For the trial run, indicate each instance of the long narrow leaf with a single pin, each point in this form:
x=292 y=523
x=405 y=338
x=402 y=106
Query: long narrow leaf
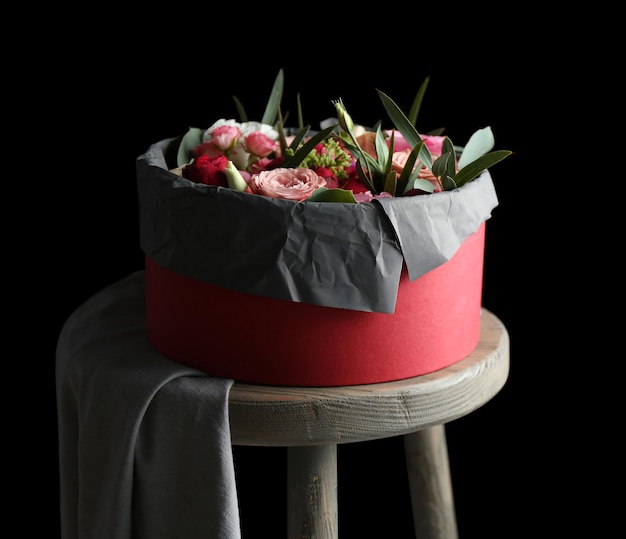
x=403 y=124
x=299 y=137
x=364 y=174
x=368 y=161
x=273 y=103
x=294 y=160
x=300 y=117
x=391 y=183
x=417 y=102
x=469 y=172
x=410 y=171
x=241 y=111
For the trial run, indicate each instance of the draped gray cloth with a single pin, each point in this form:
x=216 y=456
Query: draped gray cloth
x=144 y=443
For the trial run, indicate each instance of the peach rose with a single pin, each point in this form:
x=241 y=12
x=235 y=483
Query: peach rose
x=367 y=141
x=399 y=162
x=290 y=183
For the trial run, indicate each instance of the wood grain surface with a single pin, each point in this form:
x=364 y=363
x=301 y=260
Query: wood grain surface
x=291 y=416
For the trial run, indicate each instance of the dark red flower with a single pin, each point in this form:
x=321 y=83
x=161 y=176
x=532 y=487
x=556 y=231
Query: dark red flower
x=207 y=170
x=355 y=185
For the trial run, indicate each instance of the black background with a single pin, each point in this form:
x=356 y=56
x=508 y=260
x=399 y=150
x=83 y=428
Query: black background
x=106 y=94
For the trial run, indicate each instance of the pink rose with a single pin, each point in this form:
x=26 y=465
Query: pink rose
x=398 y=160
x=226 y=137
x=207 y=148
x=434 y=143
x=259 y=144
x=399 y=142
x=289 y=183
x=265 y=163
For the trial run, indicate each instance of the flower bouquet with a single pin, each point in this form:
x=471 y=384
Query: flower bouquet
x=287 y=256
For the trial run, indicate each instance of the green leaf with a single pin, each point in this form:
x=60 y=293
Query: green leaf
x=409 y=172
x=445 y=165
x=403 y=124
x=448 y=148
x=391 y=183
x=323 y=194
x=241 y=111
x=273 y=103
x=190 y=140
x=436 y=132
x=423 y=185
x=473 y=169
x=364 y=174
x=300 y=117
x=382 y=150
x=292 y=161
x=479 y=144
x=384 y=154
x=448 y=183
x=417 y=102
x=299 y=137
x=365 y=159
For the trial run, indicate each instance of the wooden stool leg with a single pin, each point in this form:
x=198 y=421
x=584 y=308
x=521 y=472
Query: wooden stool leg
x=430 y=484
x=312 y=492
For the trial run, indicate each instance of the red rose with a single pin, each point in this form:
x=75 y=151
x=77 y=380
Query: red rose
x=207 y=170
x=355 y=185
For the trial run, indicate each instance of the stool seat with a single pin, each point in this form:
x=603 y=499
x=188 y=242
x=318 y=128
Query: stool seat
x=311 y=421
x=290 y=416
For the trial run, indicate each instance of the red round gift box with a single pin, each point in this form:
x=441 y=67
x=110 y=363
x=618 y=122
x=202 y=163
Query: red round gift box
x=262 y=340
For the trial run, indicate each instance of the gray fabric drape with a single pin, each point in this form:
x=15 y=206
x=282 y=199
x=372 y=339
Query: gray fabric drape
x=144 y=443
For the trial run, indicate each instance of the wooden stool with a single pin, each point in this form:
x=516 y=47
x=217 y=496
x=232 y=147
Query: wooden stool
x=312 y=421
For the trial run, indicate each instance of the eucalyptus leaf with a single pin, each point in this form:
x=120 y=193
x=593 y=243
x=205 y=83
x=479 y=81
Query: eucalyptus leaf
x=479 y=144
x=423 y=185
x=323 y=194
x=190 y=140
